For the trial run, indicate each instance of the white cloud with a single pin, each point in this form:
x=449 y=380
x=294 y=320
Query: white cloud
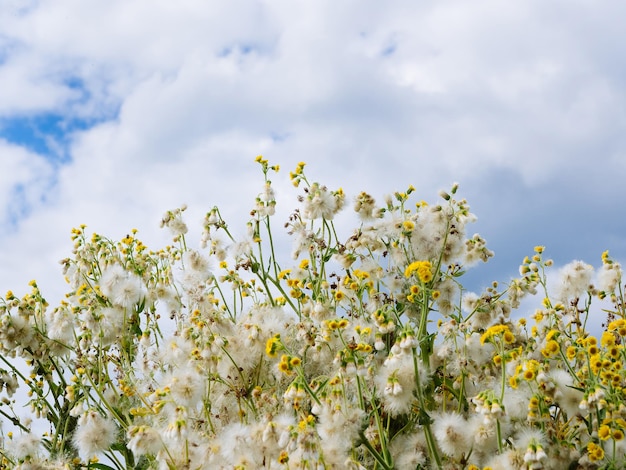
x=373 y=96
x=24 y=180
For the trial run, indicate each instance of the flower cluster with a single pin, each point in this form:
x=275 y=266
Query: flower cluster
x=360 y=352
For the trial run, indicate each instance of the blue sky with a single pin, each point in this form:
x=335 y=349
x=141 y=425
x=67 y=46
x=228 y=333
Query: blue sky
x=115 y=111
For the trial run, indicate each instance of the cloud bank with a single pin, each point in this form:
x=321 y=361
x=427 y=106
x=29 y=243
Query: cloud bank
x=138 y=106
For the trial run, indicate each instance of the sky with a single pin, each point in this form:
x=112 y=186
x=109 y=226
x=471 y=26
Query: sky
x=114 y=111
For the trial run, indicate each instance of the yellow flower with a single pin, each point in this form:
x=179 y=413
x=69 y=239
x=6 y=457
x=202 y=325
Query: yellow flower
x=284 y=366
x=607 y=339
x=493 y=331
x=595 y=452
x=361 y=274
x=552 y=348
x=272 y=346
x=509 y=338
x=408 y=226
x=422 y=268
x=295 y=361
x=283 y=458
x=530 y=369
x=604 y=432
x=308 y=421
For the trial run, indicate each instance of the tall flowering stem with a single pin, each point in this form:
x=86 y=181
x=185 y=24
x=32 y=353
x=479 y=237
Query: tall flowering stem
x=349 y=349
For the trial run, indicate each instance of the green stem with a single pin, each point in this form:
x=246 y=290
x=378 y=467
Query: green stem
x=430 y=440
x=379 y=458
x=499 y=436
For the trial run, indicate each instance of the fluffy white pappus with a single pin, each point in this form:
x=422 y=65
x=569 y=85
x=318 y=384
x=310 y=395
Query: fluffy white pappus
x=574 y=280
x=409 y=451
x=175 y=222
x=60 y=325
x=529 y=437
x=190 y=452
x=320 y=203
x=197 y=268
x=470 y=301
x=512 y=459
x=271 y=320
x=338 y=429
x=476 y=351
x=16 y=333
x=277 y=432
x=433 y=227
x=247 y=344
x=483 y=435
x=9 y=383
x=167 y=295
x=482 y=318
x=516 y=402
x=448 y=297
x=476 y=250
x=144 y=440
x=129 y=292
x=122 y=288
x=302 y=239
x=609 y=277
x=395 y=383
x=176 y=352
x=566 y=396
x=242 y=443
x=110 y=326
x=365 y=207
x=242 y=249
x=112 y=275
x=187 y=385
x=450 y=430
x=24 y=446
x=194 y=260
x=94 y=434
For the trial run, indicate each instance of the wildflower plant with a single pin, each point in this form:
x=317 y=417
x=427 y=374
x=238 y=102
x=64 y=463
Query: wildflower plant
x=361 y=351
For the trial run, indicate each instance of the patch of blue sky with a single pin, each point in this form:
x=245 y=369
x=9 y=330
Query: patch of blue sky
x=47 y=134
x=388 y=50
x=279 y=136
x=22 y=200
x=243 y=49
x=17 y=209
